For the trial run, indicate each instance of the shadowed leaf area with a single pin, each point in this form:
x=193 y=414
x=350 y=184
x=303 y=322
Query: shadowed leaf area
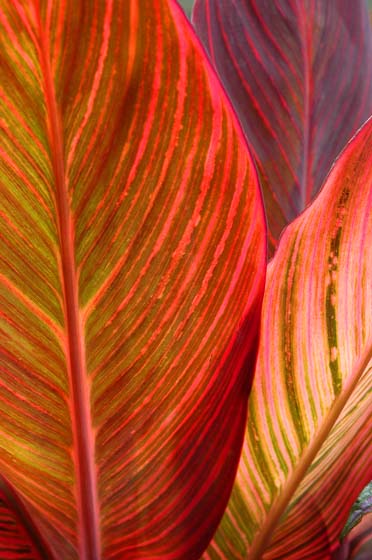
x=299 y=76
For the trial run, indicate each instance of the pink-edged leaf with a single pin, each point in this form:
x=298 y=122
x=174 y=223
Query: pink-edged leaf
x=19 y=538
x=299 y=74
x=131 y=276
x=308 y=444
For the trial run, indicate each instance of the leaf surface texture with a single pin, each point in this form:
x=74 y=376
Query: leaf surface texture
x=308 y=442
x=131 y=278
x=299 y=75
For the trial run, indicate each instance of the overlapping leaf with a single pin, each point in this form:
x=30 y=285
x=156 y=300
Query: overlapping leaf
x=357 y=545
x=308 y=446
x=361 y=507
x=299 y=74
x=356 y=536
x=131 y=268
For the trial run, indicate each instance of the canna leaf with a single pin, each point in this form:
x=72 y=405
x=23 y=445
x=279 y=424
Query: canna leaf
x=308 y=441
x=300 y=78
x=132 y=269
x=19 y=539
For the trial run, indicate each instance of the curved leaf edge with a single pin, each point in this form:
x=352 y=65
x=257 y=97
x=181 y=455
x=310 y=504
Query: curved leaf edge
x=237 y=123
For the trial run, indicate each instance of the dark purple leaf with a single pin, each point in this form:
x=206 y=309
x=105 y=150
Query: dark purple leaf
x=299 y=75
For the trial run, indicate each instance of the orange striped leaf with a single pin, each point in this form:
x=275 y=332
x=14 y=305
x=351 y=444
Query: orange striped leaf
x=308 y=444
x=300 y=76
x=131 y=278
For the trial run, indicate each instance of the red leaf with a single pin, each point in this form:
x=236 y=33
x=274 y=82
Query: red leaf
x=19 y=538
x=299 y=75
x=308 y=444
x=131 y=276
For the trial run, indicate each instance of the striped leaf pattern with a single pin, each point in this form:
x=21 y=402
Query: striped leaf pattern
x=299 y=74
x=131 y=277
x=308 y=444
x=19 y=539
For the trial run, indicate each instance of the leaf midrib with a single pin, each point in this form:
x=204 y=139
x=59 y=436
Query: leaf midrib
x=305 y=180
x=83 y=451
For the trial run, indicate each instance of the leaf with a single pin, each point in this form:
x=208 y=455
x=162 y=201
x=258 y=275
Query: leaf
x=19 y=539
x=308 y=441
x=132 y=268
x=299 y=76
x=357 y=545
x=356 y=536
x=362 y=506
